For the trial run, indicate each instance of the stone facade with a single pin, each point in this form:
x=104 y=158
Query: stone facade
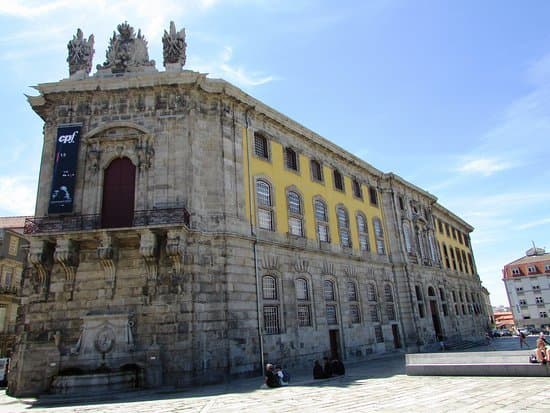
x=195 y=289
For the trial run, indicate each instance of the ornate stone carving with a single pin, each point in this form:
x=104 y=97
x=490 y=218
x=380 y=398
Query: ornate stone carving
x=81 y=54
x=127 y=52
x=145 y=152
x=40 y=258
x=301 y=265
x=271 y=262
x=328 y=268
x=94 y=154
x=173 y=48
x=106 y=255
x=350 y=271
x=149 y=251
x=66 y=255
x=175 y=250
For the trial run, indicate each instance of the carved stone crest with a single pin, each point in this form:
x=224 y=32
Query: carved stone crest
x=173 y=48
x=81 y=53
x=127 y=52
x=105 y=340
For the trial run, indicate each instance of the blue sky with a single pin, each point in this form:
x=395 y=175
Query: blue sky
x=453 y=96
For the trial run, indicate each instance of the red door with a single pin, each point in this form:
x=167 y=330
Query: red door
x=118 y=194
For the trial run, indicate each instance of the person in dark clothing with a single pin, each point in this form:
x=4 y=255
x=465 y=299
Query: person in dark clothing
x=327 y=368
x=318 y=370
x=338 y=368
x=271 y=379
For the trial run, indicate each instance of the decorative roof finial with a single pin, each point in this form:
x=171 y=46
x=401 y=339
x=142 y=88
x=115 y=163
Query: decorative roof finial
x=127 y=52
x=81 y=54
x=173 y=48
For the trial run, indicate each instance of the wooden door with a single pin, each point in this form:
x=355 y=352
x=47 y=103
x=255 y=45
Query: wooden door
x=118 y=194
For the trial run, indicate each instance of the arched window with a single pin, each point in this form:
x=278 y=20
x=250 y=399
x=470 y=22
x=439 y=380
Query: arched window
x=295 y=214
x=379 y=234
x=352 y=291
x=265 y=205
x=303 y=308
x=363 y=231
x=329 y=291
x=269 y=287
x=343 y=226
x=321 y=220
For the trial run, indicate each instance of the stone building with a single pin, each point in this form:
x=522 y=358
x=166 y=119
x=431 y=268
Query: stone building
x=186 y=232
x=13 y=257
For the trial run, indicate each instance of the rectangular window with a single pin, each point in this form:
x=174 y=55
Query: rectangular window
x=331 y=315
x=536 y=287
x=543 y=314
x=316 y=171
x=373 y=311
x=7 y=277
x=291 y=159
x=531 y=269
x=304 y=316
x=13 y=246
x=445 y=309
x=260 y=146
x=295 y=226
x=440 y=226
x=357 y=189
x=338 y=180
x=271 y=319
x=421 y=311
x=401 y=203
x=522 y=302
x=265 y=220
x=322 y=231
x=373 y=196
x=539 y=300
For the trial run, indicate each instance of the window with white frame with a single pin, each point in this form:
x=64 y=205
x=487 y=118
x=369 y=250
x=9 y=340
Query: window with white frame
x=321 y=220
x=271 y=319
x=265 y=205
x=304 y=315
x=379 y=234
x=295 y=214
x=532 y=269
x=302 y=289
x=271 y=305
x=343 y=226
x=522 y=301
x=269 y=287
x=363 y=232
x=516 y=271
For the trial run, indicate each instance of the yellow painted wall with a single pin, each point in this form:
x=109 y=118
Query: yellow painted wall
x=450 y=242
x=281 y=178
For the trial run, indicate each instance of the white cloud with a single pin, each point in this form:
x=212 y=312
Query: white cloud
x=534 y=224
x=484 y=166
x=17 y=195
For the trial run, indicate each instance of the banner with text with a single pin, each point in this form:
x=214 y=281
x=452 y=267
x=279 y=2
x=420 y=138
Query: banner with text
x=64 y=169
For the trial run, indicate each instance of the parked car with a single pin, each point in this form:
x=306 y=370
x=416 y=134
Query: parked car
x=505 y=333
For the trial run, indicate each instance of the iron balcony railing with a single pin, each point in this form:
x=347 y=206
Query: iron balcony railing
x=71 y=223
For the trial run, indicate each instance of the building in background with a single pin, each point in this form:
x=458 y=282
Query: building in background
x=505 y=321
x=186 y=232
x=13 y=258
x=527 y=282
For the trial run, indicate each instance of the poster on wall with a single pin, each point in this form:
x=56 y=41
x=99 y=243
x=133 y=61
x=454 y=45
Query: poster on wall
x=64 y=169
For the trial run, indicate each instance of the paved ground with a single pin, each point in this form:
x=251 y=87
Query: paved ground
x=371 y=386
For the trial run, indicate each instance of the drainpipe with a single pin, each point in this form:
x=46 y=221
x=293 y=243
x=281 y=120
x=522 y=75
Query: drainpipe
x=255 y=244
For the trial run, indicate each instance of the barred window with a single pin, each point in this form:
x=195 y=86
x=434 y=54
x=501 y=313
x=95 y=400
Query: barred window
x=373 y=311
x=363 y=232
x=291 y=159
x=331 y=314
x=373 y=196
x=354 y=314
x=352 y=291
x=265 y=206
x=338 y=180
x=321 y=218
x=371 y=293
x=390 y=312
x=302 y=291
x=379 y=233
x=388 y=294
x=269 y=287
x=378 y=334
x=329 y=291
x=316 y=171
x=356 y=186
x=271 y=319
x=261 y=146
x=343 y=226
x=304 y=315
